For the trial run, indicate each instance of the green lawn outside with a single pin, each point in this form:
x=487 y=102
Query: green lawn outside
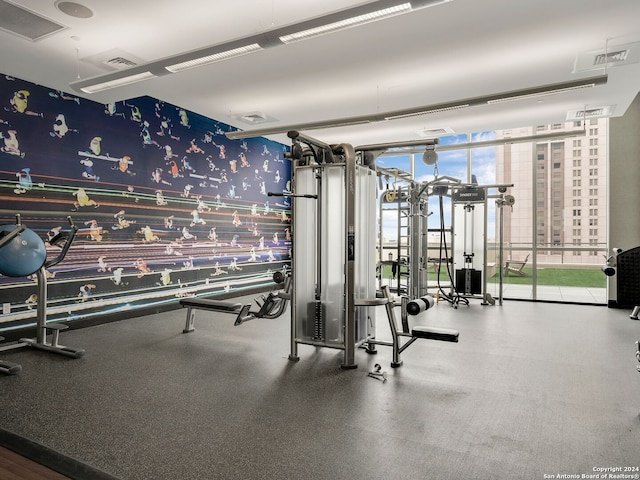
x=566 y=277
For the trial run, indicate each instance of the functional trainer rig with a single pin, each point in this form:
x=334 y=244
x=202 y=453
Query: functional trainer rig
x=334 y=293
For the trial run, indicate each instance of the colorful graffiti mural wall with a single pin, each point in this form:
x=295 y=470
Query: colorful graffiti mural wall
x=166 y=205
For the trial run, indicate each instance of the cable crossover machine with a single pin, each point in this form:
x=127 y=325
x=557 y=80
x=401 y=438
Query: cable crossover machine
x=334 y=291
x=458 y=251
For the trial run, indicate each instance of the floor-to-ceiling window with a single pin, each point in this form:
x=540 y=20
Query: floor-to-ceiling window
x=558 y=224
x=554 y=234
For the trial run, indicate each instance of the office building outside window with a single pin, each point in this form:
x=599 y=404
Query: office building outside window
x=560 y=187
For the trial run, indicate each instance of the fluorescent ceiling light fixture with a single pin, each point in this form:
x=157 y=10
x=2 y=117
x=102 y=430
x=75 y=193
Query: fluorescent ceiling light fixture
x=118 y=82
x=427 y=112
x=348 y=123
x=216 y=57
x=539 y=94
x=484 y=100
x=349 y=17
x=347 y=23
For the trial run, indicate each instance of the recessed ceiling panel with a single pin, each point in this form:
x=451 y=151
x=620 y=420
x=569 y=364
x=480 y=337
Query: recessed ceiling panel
x=24 y=23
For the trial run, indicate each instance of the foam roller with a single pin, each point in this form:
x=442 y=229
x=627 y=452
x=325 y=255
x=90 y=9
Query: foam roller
x=419 y=305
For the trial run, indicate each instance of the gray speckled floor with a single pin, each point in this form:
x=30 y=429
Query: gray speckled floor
x=531 y=389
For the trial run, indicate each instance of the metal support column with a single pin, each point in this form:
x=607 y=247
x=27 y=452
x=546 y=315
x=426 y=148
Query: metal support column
x=350 y=217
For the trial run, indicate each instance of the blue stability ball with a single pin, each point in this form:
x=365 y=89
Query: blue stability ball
x=23 y=255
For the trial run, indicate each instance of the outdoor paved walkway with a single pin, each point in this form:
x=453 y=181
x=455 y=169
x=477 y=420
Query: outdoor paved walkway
x=554 y=293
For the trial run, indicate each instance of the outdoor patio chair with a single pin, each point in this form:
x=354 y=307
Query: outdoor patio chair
x=516 y=267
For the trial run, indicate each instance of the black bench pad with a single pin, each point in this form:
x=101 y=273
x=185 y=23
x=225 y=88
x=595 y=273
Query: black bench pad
x=443 y=334
x=209 y=304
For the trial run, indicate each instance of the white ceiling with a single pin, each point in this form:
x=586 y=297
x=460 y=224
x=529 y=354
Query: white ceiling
x=461 y=49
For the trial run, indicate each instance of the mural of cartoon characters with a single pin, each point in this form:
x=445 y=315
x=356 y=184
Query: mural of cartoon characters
x=60 y=127
x=83 y=200
x=187 y=235
x=236 y=222
x=117 y=277
x=193 y=148
x=19 y=104
x=197 y=220
x=95 y=146
x=123 y=165
x=11 y=144
x=88 y=170
x=111 y=109
x=190 y=206
x=149 y=235
x=121 y=222
x=146 y=136
x=160 y=201
x=156 y=175
x=64 y=96
x=102 y=264
x=86 y=292
x=218 y=270
x=142 y=267
x=136 y=115
x=95 y=230
x=184 y=118
x=24 y=181
x=213 y=236
x=165 y=277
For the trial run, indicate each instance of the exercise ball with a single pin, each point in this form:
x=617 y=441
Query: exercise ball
x=23 y=255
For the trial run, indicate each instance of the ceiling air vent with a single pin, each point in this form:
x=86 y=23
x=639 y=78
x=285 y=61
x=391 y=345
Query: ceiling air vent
x=435 y=132
x=613 y=56
x=25 y=23
x=114 y=59
x=120 y=62
x=596 y=112
x=254 y=118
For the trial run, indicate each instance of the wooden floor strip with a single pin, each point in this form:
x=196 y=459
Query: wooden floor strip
x=56 y=465
x=16 y=467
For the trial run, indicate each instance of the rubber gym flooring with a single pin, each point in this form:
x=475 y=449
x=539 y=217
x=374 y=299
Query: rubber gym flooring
x=531 y=389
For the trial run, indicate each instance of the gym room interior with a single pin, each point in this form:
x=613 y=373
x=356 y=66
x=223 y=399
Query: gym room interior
x=323 y=239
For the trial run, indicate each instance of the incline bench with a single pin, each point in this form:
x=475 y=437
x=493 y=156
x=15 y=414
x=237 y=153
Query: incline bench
x=194 y=304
